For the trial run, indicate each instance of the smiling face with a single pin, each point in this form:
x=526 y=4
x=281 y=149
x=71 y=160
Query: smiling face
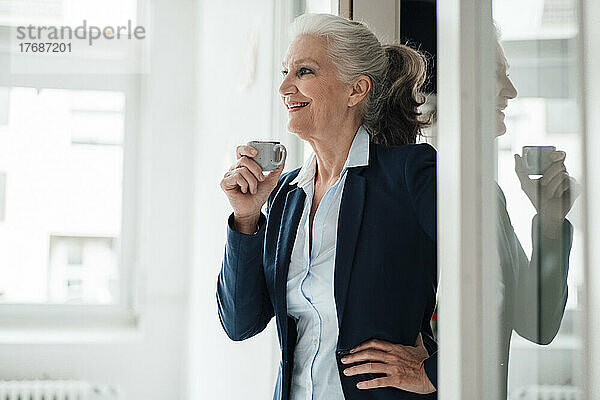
x=316 y=100
x=505 y=90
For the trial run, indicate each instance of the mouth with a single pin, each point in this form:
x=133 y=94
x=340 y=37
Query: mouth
x=296 y=106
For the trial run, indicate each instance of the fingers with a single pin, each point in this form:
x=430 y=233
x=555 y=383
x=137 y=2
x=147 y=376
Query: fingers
x=373 y=344
x=250 y=178
x=563 y=188
x=555 y=169
x=368 y=355
x=519 y=167
x=241 y=177
x=246 y=172
x=558 y=155
x=521 y=172
x=244 y=154
x=375 y=383
x=252 y=166
x=575 y=188
x=276 y=172
x=232 y=180
x=247 y=151
x=558 y=184
x=366 y=368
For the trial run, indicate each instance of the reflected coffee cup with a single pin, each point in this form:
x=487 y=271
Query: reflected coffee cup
x=536 y=159
x=270 y=154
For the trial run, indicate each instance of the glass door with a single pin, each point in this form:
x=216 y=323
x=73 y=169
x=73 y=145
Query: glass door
x=540 y=174
x=516 y=187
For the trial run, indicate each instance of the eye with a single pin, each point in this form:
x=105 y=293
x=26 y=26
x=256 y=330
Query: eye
x=304 y=71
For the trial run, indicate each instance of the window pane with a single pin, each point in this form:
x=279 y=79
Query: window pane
x=542 y=214
x=61 y=158
x=83 y=269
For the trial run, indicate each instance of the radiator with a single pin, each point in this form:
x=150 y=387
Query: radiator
x=56 y=390
x=546 y=392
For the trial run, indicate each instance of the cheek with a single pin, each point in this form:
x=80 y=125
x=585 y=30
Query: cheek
x=321 y=90
x=329 y=100
x=315 y=89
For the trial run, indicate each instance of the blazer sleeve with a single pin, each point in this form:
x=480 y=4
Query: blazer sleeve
x=243 y=301
x=420 y=178
x=430 y=364
x=542 y=289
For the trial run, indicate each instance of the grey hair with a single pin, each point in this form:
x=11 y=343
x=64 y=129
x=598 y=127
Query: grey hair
x=397 y=72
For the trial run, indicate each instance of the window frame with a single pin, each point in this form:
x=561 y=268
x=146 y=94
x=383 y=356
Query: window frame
x=588 y=53
x=467 y=253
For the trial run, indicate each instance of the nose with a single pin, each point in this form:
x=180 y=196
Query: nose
x=287 y=86
x=511 y=91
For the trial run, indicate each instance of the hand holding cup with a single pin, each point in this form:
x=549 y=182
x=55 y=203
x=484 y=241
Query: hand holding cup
x=554 y=193
x=247 y=188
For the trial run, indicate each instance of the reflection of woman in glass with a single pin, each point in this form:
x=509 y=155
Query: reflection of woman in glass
x=345 y=254
x=534 y=291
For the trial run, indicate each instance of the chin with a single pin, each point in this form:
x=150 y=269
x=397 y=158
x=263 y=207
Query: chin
x=501 y=130
x=297 y=129
x=500 y=127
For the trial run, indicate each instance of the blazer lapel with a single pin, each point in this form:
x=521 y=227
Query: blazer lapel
x=349 y=220
x=292 y=211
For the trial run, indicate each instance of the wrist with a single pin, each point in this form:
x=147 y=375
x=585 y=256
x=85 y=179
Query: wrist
x=551 y=227
x=246 y=223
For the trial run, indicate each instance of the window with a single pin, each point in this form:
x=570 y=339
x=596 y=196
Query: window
x=66 y=168
x=68 y=144
x=83 y=270
x=541 y=45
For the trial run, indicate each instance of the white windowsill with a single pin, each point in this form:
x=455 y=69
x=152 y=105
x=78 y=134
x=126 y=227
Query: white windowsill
x=51 y=324
x=41 y=335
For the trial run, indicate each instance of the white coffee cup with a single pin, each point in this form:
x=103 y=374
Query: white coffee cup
x=270 y=155
x=536 y=159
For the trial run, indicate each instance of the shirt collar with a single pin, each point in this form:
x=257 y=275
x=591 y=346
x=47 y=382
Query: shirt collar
x=358 y=156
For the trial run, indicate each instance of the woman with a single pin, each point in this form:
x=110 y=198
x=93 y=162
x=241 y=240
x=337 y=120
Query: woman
x=345 y=254
x=533 y=291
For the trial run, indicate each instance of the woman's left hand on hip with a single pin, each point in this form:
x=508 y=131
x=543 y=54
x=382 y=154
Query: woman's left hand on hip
x=403 y=365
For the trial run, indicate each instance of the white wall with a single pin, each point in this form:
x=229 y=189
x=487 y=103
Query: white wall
x=152 y=367
x=230 y=113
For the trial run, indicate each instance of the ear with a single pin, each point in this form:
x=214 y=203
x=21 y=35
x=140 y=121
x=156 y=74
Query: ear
x=360 y=89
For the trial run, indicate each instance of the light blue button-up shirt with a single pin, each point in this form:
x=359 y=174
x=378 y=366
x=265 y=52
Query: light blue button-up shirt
x=310 y=297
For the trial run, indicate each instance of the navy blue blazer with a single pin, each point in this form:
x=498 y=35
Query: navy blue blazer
x=385 y=277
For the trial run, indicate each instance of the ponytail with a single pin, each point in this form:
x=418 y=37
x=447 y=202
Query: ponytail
x=392 y=115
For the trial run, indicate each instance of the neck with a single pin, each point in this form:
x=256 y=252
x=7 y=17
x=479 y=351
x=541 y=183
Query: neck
x=331 y=149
